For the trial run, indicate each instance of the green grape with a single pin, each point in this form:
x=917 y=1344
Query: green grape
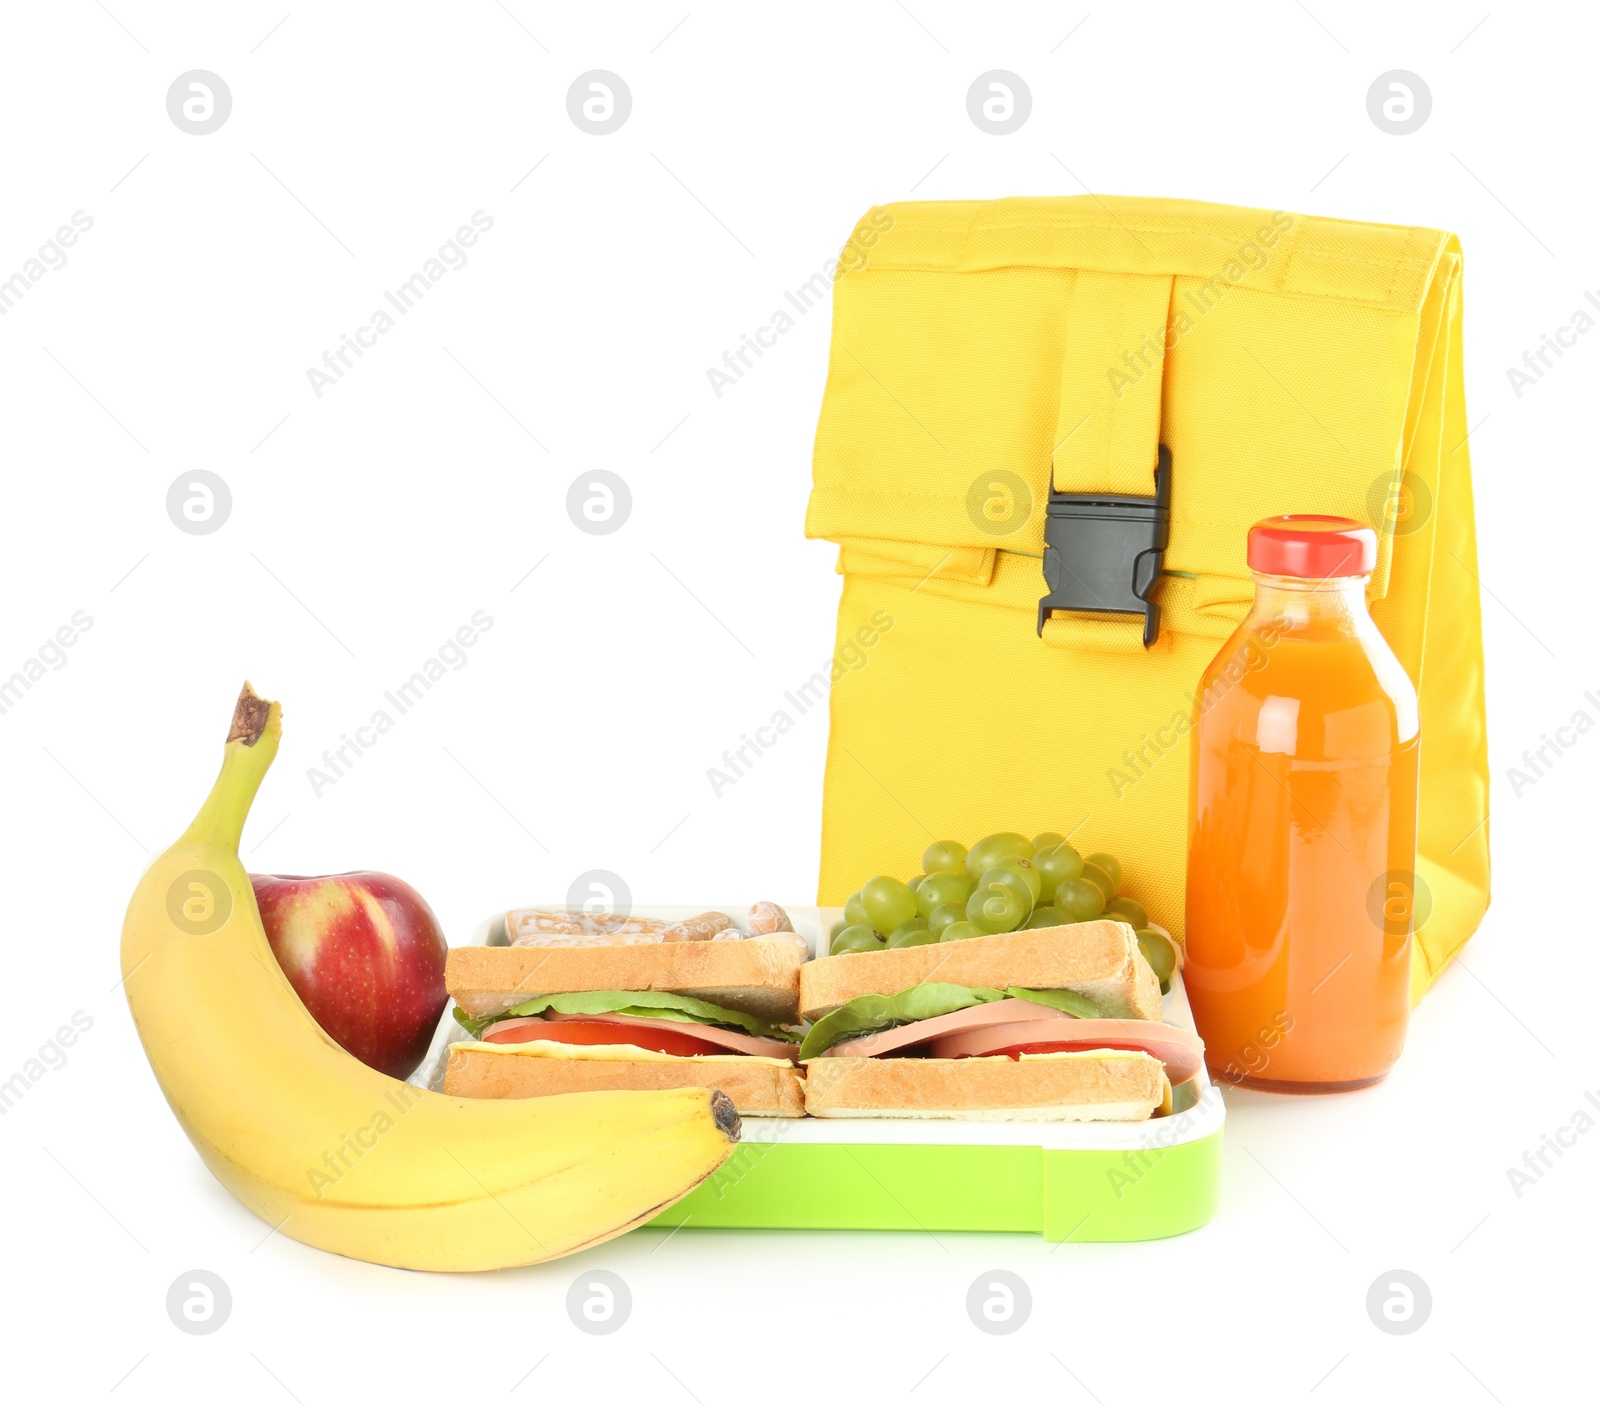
x=1048 y=840
x=1080 y=900
x=942 y=888
x=857 y=937
x=915 y=882
x=959 y=932
x=1130 y=911
x=945 y=914
x=1057 y=865
x=1047 y=916
x=1006 y=875
x=888 y=902
x=912 y=934
x=854 y=913
x=1030 y=875
x=991 y=849
x=1111 y=864
x=1158 y=952
x=999 y=907
x=944 y=857
x=1100 y=879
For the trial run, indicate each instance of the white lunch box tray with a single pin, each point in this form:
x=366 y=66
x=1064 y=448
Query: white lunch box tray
x=1077 y=1181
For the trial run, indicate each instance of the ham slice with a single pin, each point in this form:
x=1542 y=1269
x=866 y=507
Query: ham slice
x=1181 y=1052
x=1008 y=1011
x=998 y=1025
x=734 y=1040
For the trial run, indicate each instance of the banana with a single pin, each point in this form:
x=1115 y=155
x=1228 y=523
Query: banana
x=333 y=1153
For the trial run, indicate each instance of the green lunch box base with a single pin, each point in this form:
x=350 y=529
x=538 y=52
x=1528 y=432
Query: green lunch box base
x=1063 y=1194
x=1064 y=1181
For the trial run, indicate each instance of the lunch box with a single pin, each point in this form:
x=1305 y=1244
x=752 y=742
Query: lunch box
x=1064 y=1181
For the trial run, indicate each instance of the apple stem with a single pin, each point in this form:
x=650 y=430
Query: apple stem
x=252 y=744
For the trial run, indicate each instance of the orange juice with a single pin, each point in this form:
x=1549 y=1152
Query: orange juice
x=1303 y=817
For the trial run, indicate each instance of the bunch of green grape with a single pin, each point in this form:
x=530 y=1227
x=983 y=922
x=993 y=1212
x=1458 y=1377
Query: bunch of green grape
x=1004 y=883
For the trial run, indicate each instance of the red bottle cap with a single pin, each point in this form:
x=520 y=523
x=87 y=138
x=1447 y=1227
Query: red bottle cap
x=1312 y=546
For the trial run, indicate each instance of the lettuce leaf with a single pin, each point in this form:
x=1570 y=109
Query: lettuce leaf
x=868 y=1015
x=645 y=1005
x=1068 y=1002
x=474 y=1025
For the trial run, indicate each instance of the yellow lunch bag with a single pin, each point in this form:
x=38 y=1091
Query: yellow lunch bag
x=1140 y=374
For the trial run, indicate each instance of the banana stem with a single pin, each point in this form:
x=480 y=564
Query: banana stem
x=251 y=746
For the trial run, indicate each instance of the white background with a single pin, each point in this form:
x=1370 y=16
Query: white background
x=369 y=524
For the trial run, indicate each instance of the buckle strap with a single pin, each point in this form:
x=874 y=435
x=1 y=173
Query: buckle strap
x=1104 y=531
x=1103 y=551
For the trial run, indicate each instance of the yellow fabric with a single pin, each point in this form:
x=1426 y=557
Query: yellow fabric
x=1109 y=422
x=1289 y=363
x=1110 y=397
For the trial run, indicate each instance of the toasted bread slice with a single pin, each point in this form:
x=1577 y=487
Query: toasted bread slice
x=1098 y=1086
x=1100 y=960
x=760 y=978
x=759 y=1088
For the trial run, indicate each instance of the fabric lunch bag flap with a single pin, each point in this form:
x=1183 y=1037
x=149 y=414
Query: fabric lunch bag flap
x=1282 y=359
x=985 y=352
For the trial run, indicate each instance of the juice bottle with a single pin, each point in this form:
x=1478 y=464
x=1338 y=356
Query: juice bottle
x=1303 y=821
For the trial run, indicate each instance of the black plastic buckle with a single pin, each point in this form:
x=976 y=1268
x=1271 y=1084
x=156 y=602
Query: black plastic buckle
x=1103 y=551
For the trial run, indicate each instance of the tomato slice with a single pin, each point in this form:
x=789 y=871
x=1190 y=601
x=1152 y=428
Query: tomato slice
x=1062 y=1046
x=603 y=1032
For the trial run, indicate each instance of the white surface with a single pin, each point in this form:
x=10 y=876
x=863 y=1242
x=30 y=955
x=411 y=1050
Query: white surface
x=618 y=672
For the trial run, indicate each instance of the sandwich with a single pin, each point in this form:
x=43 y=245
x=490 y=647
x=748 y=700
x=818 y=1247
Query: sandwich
x=1057 y=1024
x=581 y=1001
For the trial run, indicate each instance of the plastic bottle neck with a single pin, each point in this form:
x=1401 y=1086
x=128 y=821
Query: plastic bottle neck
x=1336 y=606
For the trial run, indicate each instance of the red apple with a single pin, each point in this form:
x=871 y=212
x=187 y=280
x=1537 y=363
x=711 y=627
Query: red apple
x=365 y=954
